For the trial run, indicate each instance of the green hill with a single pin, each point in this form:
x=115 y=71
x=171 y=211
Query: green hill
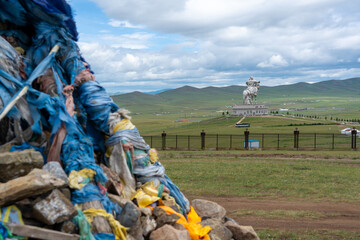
x=213 y=98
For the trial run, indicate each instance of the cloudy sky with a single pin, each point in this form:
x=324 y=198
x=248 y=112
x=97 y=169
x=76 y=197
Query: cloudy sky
x=147 y=45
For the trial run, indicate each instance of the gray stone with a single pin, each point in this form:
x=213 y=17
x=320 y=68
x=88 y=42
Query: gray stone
x=35 y=183
x=205 y=208
x=168 y=232
x=129 y=237
x=136 y=231
x=146 y=211
x=55 y=208
x=171 y=204
x=179 y=226
x=241 y=232
x=25 y=207
x=55 y=169
x=113 y=184
x=218 y=230
x=69 y=227
x=120 y=200
x=148 y=224
x=162 y=218
x=6 y=147
x=66 y=192
x=227 y=219
x=19 y=163
x=129 y=215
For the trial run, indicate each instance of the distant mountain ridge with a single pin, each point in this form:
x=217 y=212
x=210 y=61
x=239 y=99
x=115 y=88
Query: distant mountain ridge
x=208 y=97
x=158 y=91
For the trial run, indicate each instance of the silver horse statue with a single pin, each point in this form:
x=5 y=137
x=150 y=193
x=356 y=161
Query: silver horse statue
x=250 y=93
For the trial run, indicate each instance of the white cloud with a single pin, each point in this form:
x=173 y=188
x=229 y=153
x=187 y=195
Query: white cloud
x=222 y=41
x=137 y=40
x=274 y=61
x=125 y=24
x=352 y=42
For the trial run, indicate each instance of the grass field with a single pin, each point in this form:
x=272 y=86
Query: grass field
x=188 y=111
x=271 y=177
x=304 y=176
x=273 y=132
x=226 y=125
x=327 y=98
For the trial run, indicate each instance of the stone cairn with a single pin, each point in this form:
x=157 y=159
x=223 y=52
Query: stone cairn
x=42 y=196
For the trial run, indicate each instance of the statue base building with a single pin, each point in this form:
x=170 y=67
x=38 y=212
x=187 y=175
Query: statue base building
x=250 y=110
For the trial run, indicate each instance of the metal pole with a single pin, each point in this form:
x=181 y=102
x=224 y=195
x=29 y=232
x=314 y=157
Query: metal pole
x=230 y=141
x=353 y=138
x=314 y=140
x=202 y=134
x=296 y=138
x=333 y=141
x=176 y=142
x=188 y=142
x=163 y=135
x=217 y=141
x=246 y=133
x=278 y=142
x=151 y=141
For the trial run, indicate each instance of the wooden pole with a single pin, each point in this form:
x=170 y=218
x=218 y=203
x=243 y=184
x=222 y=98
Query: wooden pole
x=39 y=233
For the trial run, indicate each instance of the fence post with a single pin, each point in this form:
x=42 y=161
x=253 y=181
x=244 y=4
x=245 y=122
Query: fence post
x=217 y=142
x=296 y=138
x=230 y=141
x=278 y=142
x=314 y=140
x=151 y=141
x=163 y=136
x=176 y=142
x=262 y=141
x=353 y=138
x=188 y=142
x=246 y=133
x=333 y=141
x=202 y=134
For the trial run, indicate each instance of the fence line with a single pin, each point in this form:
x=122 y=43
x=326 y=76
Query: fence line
x=246 y=141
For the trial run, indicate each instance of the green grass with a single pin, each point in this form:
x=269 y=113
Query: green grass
x=338 y=155
x=266 y=177
x=188 y=111
x=270 y=234
x=286 y=175
x=270 y=127
x=155 y=125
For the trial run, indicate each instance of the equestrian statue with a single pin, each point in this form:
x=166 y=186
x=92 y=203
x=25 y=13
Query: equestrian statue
x=250 y=93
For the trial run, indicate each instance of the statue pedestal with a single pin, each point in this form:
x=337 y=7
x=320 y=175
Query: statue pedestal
x=250 y=110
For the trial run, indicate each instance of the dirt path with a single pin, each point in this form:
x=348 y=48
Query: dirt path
x=340 y=216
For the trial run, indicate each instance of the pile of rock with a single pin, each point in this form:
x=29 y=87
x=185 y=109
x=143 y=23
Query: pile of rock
x=42 y=195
